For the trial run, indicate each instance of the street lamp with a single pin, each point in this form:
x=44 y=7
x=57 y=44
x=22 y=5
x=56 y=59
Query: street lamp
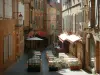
x=20 y=19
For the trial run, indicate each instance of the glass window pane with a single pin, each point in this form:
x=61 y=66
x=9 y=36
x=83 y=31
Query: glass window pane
x=8 y=8
x=1 y=8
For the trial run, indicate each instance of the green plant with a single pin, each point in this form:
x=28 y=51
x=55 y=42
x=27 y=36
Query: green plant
x=74 y=63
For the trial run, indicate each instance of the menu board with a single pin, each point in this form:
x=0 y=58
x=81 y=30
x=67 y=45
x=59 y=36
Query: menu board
x=1 y=8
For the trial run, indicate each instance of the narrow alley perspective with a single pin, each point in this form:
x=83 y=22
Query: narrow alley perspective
x=49 y=37
x=20 y=68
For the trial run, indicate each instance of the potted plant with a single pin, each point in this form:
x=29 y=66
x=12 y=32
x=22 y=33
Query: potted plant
x=74 y=65
x=34 y=65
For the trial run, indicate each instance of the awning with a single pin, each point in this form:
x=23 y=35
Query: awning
x=39 y=33
x=71 y=38
x=62 y=37
x=42 y=33
x=34 y=38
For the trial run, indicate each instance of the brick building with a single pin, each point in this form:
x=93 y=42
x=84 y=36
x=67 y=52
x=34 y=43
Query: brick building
x=80 y=18
x=12 y=44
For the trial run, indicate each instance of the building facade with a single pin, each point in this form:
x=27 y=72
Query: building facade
x=92 y=38
x=53 y=19
x=9 y=20
x=81 y=17
x=72 y=19
x=34 y=14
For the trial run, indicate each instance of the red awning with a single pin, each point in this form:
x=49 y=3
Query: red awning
x=42 y=33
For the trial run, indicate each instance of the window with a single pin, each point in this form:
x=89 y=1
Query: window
x=63 y=24
x=10 y=41
x=35 y=4
x=6 y=49
x=1 y=8
x=96 y=13
x=38 y=4
x=8 y=8
x=99 y=13
x=15 y=8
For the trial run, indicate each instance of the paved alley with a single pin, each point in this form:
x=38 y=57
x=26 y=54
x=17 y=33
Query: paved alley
x=20 y=68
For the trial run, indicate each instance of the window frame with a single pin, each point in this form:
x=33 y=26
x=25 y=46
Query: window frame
x=98 y=14
x=1 y=9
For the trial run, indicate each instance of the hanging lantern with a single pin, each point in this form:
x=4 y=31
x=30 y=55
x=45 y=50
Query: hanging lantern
x=20 y=19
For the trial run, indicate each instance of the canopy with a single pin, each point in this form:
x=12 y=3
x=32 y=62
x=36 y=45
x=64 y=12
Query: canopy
x=62 y=37
x=39 y=33
x=71 y=38
x=34 y=38
x=42 y=33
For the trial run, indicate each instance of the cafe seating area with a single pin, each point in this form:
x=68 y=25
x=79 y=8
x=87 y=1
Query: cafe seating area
x=54 y=62
x=72 y=62
x=34 y=63
x=62 y=61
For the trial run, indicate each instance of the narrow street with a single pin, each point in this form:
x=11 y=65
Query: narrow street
x=20 y=68
x=72 y=27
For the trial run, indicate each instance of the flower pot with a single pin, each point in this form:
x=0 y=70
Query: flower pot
x=74 y=67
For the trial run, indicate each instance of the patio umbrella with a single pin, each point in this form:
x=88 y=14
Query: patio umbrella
x=34 y=39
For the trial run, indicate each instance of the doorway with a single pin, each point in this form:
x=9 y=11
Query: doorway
x=92 y=52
